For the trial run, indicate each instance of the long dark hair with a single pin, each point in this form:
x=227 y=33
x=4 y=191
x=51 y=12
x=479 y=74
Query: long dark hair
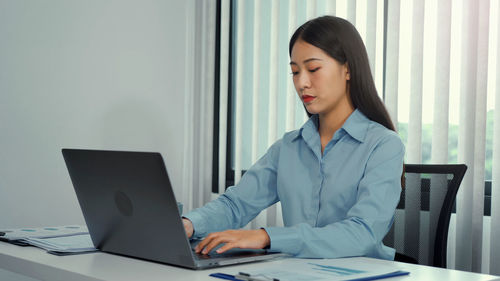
x=341 y=41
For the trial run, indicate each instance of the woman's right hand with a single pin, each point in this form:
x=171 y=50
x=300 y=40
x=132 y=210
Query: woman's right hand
x=188 y=226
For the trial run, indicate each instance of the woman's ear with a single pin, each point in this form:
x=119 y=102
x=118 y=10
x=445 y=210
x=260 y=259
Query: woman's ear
x=347 y=73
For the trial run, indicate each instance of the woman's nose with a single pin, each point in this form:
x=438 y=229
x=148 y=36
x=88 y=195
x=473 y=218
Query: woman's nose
x=303 y=81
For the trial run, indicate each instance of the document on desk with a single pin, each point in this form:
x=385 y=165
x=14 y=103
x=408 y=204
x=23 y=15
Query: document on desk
x=42 y=232
x=324 y=269
x=59 y=240
x=65 y=244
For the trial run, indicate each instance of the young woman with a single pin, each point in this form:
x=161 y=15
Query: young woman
x=338 y=177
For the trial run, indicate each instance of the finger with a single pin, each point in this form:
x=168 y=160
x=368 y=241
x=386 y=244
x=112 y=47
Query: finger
x=227 y=246
x=203 y=243
x=210 y=237
x=213 y=243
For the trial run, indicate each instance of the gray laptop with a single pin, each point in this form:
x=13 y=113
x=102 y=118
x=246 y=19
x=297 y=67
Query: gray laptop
x=130 y=209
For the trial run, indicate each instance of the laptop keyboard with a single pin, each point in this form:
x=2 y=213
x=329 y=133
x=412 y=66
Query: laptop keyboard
x=204 y=257
x=241 y=253
x=211 y=255
x=229 y=254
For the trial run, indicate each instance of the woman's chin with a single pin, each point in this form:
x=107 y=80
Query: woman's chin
x=311 y=110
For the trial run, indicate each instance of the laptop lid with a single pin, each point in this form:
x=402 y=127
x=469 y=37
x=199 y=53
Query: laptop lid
x=128 y=204
x=130 y=208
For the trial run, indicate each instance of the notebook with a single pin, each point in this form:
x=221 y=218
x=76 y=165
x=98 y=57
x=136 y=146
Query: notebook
x=130 y=209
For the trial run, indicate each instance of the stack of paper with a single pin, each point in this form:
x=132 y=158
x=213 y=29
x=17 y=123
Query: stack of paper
x=59 y=240
x=64 y=244
x=43 y=232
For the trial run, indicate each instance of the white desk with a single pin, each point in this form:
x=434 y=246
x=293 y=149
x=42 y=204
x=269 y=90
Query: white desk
x=36 y=263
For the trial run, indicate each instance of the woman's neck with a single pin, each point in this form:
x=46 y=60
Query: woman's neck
x=333 y=120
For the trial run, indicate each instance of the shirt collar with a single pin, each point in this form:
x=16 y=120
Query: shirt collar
x=310 y=125
x=356 y=126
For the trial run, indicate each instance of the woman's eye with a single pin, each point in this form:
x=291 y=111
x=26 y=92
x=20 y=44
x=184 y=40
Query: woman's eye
x=294 y=73
x=314 y=69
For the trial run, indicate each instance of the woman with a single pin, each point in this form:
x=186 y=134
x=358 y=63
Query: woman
x=338 y=177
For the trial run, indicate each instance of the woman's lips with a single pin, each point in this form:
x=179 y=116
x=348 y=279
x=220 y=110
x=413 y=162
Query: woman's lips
x=307 y=99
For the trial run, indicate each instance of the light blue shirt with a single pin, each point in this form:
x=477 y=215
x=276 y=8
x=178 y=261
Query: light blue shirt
x=338 y=204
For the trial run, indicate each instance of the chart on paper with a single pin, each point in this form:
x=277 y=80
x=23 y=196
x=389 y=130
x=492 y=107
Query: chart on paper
x=314 y=271
x=320 y=269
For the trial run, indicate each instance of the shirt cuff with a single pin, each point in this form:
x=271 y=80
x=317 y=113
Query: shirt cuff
x=199 y=227
x=283 y=239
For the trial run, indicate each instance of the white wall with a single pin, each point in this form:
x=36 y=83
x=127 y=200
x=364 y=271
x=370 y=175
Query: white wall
x=86 y=74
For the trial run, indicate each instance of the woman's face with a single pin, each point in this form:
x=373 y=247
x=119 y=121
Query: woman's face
x=320 y=80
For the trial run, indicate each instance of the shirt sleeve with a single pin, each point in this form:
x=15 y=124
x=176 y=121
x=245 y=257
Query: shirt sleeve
x=240 y=203
x=367 y=221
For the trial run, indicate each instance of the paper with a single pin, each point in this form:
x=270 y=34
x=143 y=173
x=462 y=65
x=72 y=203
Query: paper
x=65 y=244
x=322 y=269
x=42 y=232
x=59 y=239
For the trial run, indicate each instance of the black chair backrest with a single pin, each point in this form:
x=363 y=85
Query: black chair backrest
x=420 y=229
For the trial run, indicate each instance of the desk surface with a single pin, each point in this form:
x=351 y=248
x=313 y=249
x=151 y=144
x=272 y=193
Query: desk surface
x=36 y=263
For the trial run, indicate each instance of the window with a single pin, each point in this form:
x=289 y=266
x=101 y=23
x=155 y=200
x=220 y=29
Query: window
x=435 y=66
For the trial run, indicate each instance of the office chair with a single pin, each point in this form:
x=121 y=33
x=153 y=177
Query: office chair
x=420 y=230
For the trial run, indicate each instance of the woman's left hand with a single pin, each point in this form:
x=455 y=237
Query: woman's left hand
x=249 y=239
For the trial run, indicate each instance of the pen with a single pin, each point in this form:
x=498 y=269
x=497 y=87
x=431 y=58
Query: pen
x=242 y=276
x=224 y=276
x=248 y=276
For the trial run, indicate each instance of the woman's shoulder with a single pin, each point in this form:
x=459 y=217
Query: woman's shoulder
x=290 y=136
x=378 y=134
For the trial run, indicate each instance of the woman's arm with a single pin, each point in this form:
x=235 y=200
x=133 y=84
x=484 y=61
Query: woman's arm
x=242 y=202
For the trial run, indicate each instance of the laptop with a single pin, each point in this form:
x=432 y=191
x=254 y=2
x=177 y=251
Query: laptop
x=130 y=209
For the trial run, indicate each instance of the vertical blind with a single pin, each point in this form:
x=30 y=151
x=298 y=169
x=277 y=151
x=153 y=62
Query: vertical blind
x=435 y=65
